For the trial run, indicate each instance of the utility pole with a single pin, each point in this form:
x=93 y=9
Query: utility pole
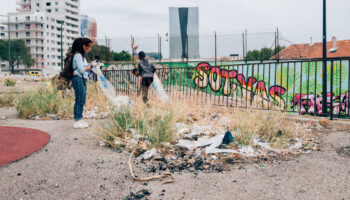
x=324 y=66
x=9 y=42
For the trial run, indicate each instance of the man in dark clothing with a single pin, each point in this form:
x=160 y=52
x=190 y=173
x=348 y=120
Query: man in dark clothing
x=146 y=71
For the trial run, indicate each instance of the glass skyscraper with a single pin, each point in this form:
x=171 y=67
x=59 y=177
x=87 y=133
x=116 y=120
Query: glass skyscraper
x=184 y=32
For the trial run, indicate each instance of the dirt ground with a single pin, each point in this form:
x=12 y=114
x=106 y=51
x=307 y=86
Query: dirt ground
x=74 y=166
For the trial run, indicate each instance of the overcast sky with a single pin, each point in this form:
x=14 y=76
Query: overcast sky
x=297 y=20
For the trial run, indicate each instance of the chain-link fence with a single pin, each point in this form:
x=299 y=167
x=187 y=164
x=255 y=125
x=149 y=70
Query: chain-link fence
x=210 y=47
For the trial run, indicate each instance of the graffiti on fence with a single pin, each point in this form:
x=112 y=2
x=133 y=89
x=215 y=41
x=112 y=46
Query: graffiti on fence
x=232 y=82
x=313 y=103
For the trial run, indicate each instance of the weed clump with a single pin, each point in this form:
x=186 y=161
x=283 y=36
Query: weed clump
x=6 y=100
x=10 y=82
x=41 y=102
x=154 y=125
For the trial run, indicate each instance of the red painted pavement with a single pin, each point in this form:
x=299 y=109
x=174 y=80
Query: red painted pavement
x=17 y=143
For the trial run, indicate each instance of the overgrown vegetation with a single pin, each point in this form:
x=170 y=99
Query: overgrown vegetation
x=41 y=102
x=48 y=100
x=272 y=127
x=10 y=82
x=154 y=125
x=6 y=100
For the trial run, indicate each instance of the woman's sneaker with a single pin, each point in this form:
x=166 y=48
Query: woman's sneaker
x=84 y=122
x=80 y=124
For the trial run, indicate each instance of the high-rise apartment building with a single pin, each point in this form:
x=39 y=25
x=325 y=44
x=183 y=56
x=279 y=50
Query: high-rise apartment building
x=184 y=32
x=2 y=32
x=88 y=27
x=39 y=23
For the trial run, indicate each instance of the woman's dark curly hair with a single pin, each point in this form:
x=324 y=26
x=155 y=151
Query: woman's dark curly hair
x=77 y=46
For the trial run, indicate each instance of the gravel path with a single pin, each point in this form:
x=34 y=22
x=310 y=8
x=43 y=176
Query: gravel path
x=73 y=166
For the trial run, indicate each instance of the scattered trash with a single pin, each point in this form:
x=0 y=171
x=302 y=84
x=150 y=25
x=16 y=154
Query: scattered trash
x=297 y=145
x=344 y=151
x=139 y=195
x=184 y=131
x=102 y=144
x=212 y=144
x=148 y=154
x=164 y=175
x=228 y=138
x=262 y=165
x=248 y=151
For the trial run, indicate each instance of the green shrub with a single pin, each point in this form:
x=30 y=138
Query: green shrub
x=41 y=102
x=157 y=127
x=10 y=82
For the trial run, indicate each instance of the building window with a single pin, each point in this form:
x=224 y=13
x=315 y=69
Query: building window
x=56 y=9
x=27 y=34
x=37 y=4
x=27 y=26
x=17 y=34
x=48 y=4
x=27 y=18
x=28 y=42
x=48 y=10
x=56 y=3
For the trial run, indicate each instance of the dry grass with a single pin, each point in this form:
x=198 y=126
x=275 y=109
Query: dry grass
x=153 y=124
x=156 y=124
x=47 y=100
x=7 y=100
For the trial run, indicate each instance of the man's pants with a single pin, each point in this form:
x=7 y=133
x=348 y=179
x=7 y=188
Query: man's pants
x=146 y=83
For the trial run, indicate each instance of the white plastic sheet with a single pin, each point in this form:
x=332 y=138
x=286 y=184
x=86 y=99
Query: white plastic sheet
x=158 y=88
x=108 y=90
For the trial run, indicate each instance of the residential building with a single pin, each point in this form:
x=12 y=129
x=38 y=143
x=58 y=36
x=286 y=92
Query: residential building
x=184 y=32
x=39 y=23
x=3 y=34
x=335 y=49
x=88 y=27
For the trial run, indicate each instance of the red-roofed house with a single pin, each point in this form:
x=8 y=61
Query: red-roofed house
x=335 y=49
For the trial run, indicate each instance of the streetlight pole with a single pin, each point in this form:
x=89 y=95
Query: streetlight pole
x=61 y=22
x=324 y=66
x=9 y=42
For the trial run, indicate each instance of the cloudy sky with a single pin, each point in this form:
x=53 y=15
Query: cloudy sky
x=297 y=20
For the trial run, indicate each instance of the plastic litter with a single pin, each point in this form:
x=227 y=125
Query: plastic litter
x=228 y=138
x=158 y=88
x=148 y=154
x=212 y=144
x=108 y=90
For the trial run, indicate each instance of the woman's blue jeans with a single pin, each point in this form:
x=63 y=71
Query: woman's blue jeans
x=79 y=85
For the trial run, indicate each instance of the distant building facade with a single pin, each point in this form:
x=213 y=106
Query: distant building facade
x=38 y=23
x=184 y=32
x=335 y=49
x=88 y=27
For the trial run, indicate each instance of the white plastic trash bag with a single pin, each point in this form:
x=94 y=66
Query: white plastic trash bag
x=158 y=88
x=108 y=90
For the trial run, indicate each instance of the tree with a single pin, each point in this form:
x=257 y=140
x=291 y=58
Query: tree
x=263 y=54
x=105 y=54
x=20 y=53
x=101 y=51
x=122 y=56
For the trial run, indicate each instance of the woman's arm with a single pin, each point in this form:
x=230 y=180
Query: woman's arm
x=79 y=62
